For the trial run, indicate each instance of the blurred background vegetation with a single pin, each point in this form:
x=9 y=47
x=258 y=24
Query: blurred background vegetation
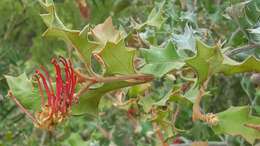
x=22 y=49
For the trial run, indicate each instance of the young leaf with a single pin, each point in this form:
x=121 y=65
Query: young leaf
x=22 y=88
x=233 y=121
x=160 y=61
x=118 y=59
x=106 y=32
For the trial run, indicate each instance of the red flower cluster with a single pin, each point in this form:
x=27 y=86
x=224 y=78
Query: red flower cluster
x=59 y=101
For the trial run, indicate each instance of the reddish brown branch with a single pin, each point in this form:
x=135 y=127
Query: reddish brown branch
x=84 y=89
x=174 y=116
x=104 y=132
x=253 y=126
x=27 y=113
x=160 y=135
x=196 y=106
x=197 y=114
x=136 y=77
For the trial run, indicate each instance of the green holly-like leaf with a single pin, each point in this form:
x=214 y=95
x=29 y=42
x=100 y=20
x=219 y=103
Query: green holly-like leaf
x=22 y=88
x=159 y=96
x=106 y=32
x=160 y=61
x=149 y=101
x=233 y=120
x=78 y=39
x=251 y=64
x=156 y=18
x=88 y=103
x=209 y=60
x=155 y=99
x=51 y=19
x=204 y=59
x=118 y=58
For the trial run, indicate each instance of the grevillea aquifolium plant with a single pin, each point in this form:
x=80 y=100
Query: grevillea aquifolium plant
x=158 y=80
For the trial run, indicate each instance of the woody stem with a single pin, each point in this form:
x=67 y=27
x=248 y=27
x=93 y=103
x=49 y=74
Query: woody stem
x=10 y=94
x=84 y=89
x=197 y=115
x=142 y=78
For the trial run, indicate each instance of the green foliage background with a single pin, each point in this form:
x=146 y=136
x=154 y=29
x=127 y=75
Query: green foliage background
x=22 y=49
